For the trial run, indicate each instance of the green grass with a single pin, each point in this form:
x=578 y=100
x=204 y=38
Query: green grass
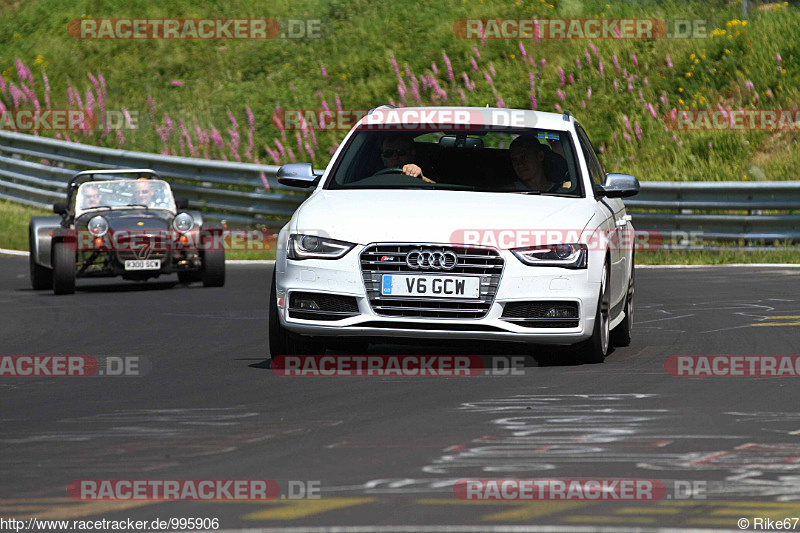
x=361 y=37
x=14 y=219
x=250 y=254
x=703 y=257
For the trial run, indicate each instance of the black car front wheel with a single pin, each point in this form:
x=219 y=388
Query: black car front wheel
x=213 y=270
x=63 y=268
x=41 y=277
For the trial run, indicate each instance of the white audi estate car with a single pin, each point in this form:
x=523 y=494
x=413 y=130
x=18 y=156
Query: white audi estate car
x=456 y=223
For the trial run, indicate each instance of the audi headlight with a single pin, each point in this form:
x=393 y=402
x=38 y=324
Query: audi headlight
x=561 y=255
x=313 y=247
x=98 y=226
x=183 y=222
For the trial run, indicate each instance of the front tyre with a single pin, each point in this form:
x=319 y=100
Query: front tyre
x=621 y=335
x=282 y=341
x=41 y=277
x=63 y=268
x=213 y=269
x=595 y=349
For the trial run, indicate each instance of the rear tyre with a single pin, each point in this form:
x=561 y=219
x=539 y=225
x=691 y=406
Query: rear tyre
x=41 y=277
x=63 y=268
x=282 y=341
x=213 y=270
x=595 y=349
x=621 y=335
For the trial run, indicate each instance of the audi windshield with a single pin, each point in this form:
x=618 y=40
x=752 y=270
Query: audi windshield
x=529 y=161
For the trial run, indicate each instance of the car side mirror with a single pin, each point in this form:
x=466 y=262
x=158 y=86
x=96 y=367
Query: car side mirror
x=618 y=186
x=181 y=204
x=298 y=175
x=60 y=208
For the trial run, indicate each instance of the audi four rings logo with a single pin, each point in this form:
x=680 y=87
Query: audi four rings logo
x=433 y=260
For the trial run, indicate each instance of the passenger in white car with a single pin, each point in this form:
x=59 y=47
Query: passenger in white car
x=527 y=158
x=539 y=167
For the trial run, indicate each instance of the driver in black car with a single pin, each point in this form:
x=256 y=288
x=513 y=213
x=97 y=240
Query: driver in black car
x=146 y=193
x=399 y=152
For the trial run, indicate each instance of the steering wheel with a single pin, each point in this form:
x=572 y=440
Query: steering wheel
x=389 y=170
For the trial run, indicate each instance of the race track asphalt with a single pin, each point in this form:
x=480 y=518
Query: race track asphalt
x=385 y=452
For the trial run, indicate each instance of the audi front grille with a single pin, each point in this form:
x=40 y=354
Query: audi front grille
x=379 y=259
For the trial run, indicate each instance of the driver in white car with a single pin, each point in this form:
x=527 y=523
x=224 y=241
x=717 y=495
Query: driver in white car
x=399 y=152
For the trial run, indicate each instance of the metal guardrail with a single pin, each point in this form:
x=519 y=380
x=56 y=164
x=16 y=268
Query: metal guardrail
x=723 y=211
x=35 y=171
x=710 y=211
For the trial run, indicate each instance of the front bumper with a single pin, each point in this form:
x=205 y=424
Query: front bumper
x=104 y=264
x=518 y=283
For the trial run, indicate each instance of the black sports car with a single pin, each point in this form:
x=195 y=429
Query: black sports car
x=123 y=223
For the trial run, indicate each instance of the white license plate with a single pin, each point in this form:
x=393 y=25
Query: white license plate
x=143 y=264
x=431 y=286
